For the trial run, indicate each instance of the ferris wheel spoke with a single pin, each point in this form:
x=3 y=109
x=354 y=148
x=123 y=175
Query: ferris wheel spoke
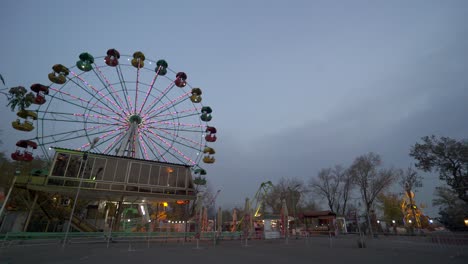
x=129 y=100
x=176 y=129
x=107 y=108
x=106 y=132
x=45 y=152
x=80 y=117
x=136 y=86
x=63 y=133
x=181 y=137
x=124 y=85
x=176 y=124
x=172 y=147
x=168 y=105
x=103 y=138
x=98 y=117
x=113 y=143
x=196 y=110
x=115 y=96
x=168 y=152
x=155 y=146
x=149 y=90
x=157 y=99
x=63 y=139
x=88 y=104
x=103 y=142
x=177 y=142
x=89 y=108
x=77 y=121
x=178 y=117
x=143 y=147
x=97 y=92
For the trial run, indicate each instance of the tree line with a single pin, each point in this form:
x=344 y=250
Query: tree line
x=365 y=185
x=446 y=156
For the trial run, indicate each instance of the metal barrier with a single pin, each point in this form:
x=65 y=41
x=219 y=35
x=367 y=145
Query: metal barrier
x=449 y=239
x=37 y=238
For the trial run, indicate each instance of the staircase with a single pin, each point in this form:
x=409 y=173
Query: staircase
x=82 y=225
x=56 y=210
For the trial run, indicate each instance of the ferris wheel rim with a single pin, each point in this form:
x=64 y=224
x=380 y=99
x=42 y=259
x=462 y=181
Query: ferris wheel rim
x=85 y=119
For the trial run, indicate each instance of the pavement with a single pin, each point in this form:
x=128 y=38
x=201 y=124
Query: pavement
x=342 y=249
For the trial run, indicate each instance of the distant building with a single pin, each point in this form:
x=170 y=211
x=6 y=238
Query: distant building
x=319 y=221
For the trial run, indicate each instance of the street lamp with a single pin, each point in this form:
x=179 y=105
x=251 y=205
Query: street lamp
x=83 y=169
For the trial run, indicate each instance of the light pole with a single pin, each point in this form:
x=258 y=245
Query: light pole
x=82 y=172
x=293 y=199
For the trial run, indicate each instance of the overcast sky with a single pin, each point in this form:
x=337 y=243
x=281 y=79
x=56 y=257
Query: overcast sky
x=295 y=86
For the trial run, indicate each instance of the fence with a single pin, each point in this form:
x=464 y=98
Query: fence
x=432 y=240
x=36 y=238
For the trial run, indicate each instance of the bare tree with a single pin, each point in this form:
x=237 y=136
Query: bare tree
x=410 y=180
x=334 y=185
x=370 y=180
x=346 y=186
x=326 y=186
x=290 y=190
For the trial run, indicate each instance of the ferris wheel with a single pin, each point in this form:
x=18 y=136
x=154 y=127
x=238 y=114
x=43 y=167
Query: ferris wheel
x=119 y=105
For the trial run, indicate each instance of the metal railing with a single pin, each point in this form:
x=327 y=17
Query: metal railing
x=50 y=238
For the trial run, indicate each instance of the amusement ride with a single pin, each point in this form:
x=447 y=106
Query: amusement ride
x=120 y=110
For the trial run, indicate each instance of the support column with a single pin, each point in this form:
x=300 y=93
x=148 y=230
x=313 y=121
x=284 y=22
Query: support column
x=7 y=198
x=47 y=226
x=116 y=224
x=31 y=210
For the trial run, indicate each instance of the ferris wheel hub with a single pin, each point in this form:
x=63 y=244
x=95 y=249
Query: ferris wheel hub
x=135 y=119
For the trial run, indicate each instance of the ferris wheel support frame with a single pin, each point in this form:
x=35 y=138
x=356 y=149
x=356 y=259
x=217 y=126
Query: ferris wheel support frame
x=130 y=146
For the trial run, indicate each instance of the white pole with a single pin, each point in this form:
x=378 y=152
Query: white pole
x=149 y=232
x=110 y=231
x=31 y=210
x=80 y=172
x=83 y=169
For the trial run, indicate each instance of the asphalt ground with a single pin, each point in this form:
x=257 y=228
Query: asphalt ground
x=311 y=250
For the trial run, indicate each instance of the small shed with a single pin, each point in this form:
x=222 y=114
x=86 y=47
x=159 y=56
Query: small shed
x=319 y=221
